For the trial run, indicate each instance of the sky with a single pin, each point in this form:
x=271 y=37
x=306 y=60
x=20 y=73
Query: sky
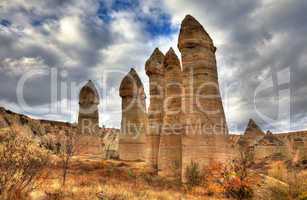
x=50 y=48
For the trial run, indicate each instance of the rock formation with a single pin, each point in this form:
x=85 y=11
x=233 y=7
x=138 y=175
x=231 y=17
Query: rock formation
x=3 y=123
x=204 y=120
x=252 y=134
x=132 y=140
x=186 y=120
x=155 y=71
x=200 y=79
x=202 y=98
x=88 y=120
x=48 y=134
x=299 y=148
x=169 y=161
x=253 y=131
x=270 y=145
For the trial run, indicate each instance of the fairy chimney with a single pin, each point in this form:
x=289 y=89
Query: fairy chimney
x=155 y=72
x=200 y=78
x=169 y=161
x=88 y=119
x=134 y=119
x=205 y=130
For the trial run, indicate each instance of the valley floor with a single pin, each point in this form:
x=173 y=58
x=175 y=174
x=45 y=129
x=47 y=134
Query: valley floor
x=91 y=178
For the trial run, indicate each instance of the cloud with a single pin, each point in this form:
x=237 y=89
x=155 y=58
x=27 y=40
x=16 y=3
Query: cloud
x=17 y=67
x=83 y=40
x=256 y=41
x=102 y=39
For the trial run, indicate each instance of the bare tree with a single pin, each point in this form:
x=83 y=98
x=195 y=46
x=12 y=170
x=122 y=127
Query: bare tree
x=67 y=151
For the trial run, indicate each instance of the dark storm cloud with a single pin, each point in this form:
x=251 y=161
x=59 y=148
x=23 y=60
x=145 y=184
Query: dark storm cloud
x=280 y=35
x=33 y=35
x=262 y=42
x=72 y=38
x=273 y=38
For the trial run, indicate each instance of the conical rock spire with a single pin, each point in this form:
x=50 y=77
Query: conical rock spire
x=134 y=119
x=131 y=85
x=253 y=130
x=171 y=58
x=88 y=118
x=154 y=63
x=170 y=140
x=86 y=91
x=193 y=34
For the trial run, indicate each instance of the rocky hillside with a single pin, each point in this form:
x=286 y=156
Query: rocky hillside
x=48 y=133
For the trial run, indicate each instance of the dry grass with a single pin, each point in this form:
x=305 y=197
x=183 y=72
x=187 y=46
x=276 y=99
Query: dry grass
x=109 y=180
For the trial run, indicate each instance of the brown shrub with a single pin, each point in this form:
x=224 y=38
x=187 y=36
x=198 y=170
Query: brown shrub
x=193 y=174
x=238 y=180
x=21 y=163
x=279 y=171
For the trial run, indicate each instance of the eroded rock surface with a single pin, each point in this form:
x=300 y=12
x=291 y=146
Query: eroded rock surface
x=132 y=141
x=155 y=71
x=88 y=119
x=169 y=161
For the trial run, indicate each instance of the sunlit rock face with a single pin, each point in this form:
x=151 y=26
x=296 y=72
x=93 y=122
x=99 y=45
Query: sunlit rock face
x=204 y=122
x=253 y=131
x=155 y=72
x=132 y=139
x=270 y=145
x=169 y=161
x=202 y=98
x=251 y=136
x=88 y=119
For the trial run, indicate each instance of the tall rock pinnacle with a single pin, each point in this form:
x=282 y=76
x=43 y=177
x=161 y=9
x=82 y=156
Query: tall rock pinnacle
x=155 y=71
x=192 y=34
x=171 y=59
x=205 y=129
x=170 y=139
x=253 y=130
x=200 y=78
x=88 y=118
x=132 y=85
x=134 y=119
x=154 y=63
